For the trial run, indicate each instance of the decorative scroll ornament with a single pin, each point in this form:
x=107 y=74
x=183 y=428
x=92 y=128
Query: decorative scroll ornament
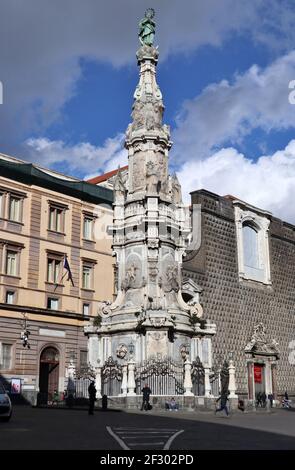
x=104 y=308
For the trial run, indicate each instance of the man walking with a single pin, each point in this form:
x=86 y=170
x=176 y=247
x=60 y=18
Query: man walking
x=271 y=398
x=223 y=400
x=146 y=391
x=92 y=397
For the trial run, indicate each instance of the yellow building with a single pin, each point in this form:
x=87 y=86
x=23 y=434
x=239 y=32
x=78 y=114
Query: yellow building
x=46 y=221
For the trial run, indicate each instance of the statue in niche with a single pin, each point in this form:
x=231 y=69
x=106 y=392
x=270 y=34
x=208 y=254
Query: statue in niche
x=162 y=173
x=172 y=277
x=138 y=115
x=147 y=28
x=152 y=175
x=119 y=186
x=176 y=190
x=158 y=113
x=138 y=179
x=149 y=114
x=130 y=277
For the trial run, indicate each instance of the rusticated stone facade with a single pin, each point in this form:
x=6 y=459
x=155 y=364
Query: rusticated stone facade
x=236 y=303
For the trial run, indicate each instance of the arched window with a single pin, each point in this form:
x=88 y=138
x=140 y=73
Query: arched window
x=250 y=246
x=252 y=243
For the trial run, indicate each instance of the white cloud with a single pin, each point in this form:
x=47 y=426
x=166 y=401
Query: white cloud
x=230 y=111
x=78 y=158
x=268 y=183
x=43 y=42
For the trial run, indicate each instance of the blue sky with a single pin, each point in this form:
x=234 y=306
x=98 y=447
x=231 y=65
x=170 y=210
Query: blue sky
x=224 y=71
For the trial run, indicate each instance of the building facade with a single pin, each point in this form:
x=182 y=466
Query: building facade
x=46 y=221
x=245 y=269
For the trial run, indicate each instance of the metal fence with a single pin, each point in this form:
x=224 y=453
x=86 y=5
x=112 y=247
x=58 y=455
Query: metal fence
x=198 y=378
x=111 y=378
x=81 y=387
x=215 y=383
x=163 y=375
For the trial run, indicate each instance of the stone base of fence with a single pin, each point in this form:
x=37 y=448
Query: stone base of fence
x=185 y=403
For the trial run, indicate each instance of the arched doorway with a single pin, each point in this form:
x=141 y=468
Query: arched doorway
x=48 y=373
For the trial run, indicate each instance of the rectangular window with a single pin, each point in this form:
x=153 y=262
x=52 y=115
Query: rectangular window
x=86 y=309
x=1 y=205
x=5 y=356
x=52 y=303
x=87 y=277
x=10 y=297
x=88 y=228
x=11 y=263
x=15 y=208
x=54 y=270
x=83 y=359
x=56 y=219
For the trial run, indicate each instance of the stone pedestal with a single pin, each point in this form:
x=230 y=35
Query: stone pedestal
x=124 y=386
x=131 y=379
x=207 y=383
x=232 y=380
x=188 y=379
x=98 y=381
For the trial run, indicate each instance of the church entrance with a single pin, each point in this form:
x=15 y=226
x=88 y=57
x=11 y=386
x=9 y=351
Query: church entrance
x=48 y=374
x=259 y=378
x=262 y=357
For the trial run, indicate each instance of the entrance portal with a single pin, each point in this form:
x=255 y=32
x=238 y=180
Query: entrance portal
x=48 y=374
x=259 y=379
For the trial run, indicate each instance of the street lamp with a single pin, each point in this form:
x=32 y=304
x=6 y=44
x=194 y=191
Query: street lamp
x=131 y=348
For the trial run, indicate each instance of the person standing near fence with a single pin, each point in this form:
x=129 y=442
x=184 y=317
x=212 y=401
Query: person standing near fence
x=146 y=391
x=92 y=397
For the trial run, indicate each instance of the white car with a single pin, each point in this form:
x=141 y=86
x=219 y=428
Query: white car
x=5 y=405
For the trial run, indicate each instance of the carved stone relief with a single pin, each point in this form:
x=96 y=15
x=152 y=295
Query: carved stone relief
x=172 y=281
x=122 y=350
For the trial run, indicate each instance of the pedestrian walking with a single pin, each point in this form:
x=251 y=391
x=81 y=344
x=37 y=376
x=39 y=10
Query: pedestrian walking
x=146 y=391
x=270 y=398
x=223 y=403
x=258 y=399
x=92 y=397
x=263 y=400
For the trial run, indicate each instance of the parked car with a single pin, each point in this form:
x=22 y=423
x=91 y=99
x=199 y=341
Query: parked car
x=5 y=404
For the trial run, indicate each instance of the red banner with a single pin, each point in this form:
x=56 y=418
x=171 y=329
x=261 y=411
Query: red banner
x=258 y=374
